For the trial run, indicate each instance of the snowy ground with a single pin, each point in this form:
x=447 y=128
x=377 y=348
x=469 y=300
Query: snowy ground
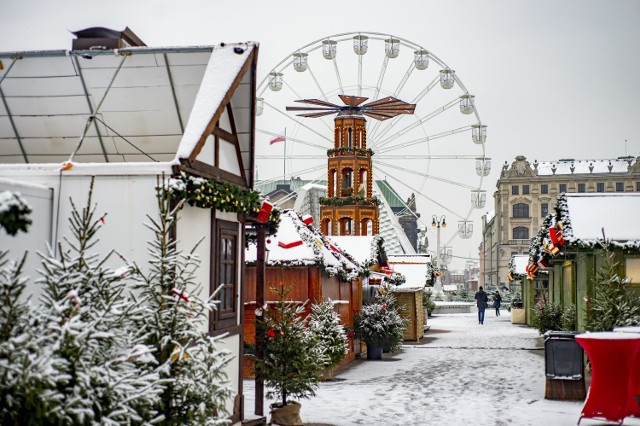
x=461 y=373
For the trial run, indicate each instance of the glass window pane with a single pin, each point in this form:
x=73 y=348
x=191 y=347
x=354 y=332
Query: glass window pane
x=600 y=186
x=544 y=189
x=525 y=189
x=515 y=190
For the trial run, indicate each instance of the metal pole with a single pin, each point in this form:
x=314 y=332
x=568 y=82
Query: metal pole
x=260 y=295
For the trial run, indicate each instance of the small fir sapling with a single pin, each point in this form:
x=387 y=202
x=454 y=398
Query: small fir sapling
x=292 y=355
x=614 y=305
x=324 y=322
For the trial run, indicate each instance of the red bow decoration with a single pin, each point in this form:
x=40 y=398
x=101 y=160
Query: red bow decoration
x=550 y=248
x=543 y=263
x=556 y=237
x=531 y=269
x=180 y=295
x=307 y=219
x=265 y=211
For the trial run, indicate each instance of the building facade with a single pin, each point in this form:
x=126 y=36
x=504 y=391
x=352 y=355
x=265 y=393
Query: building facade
x=525 y=193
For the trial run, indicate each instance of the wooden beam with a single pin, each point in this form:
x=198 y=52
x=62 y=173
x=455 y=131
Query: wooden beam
x=226 y=100
x=198 y=168
x=235 y=141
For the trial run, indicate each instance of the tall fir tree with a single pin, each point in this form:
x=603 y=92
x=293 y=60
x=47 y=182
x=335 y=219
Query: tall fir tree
x=197 y=386
x=614 y=305
x=324 y=322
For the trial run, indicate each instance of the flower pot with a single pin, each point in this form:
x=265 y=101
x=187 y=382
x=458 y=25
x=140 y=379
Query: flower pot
x=289 y=415
x=374 y=352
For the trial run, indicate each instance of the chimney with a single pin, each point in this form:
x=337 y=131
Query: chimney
x=100 y=38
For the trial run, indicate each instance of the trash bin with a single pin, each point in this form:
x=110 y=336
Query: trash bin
x=564 y=366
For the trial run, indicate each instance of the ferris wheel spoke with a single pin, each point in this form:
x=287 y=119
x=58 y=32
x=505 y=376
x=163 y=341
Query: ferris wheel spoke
x=419 y=193
x=337 y=70
x=404 y=80
x=426 y=90
x=383 y=70
x=359 y=75
x=416 y=124
x=424 y=175
x=299 y=122
x=425 y=157
x=425 y=139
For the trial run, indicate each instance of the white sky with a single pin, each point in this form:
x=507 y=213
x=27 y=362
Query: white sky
x=552 y=79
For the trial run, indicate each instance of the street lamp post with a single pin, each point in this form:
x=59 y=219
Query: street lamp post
x=438 y=222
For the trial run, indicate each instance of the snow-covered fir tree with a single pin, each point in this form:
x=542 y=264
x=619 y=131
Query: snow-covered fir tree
x=197 y=387
x=614 y=304
x=79 y=360
x=292 y=356
x=324 y=322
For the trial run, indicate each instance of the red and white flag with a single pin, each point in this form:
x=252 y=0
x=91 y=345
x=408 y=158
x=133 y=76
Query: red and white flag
x=280 y=137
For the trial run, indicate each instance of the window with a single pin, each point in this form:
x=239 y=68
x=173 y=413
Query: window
x=638 y=186
x=515 y=190
x=582 y=187
x=544 y=209
x=563 y=187
x=520 y=233
x=600 y=187
x=619 y=186
x=225 y=274
x=544 y=188
x=525 y=189
x=520 y=210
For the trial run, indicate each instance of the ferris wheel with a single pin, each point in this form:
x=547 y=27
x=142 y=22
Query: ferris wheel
x=438 y=153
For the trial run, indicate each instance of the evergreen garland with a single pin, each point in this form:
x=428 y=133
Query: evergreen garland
x=345 y=201
x=354 y=150
x=226 y=197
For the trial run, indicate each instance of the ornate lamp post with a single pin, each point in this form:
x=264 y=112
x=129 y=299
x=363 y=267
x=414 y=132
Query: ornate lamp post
x=438 y=222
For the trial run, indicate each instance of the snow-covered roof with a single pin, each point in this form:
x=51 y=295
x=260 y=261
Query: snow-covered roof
x=359 y=247
x=149 y=104
x=587 y=214
x=299 y=244
x=563 y=167
x=413 y=268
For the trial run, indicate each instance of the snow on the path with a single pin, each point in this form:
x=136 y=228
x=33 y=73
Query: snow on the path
x=461 y=373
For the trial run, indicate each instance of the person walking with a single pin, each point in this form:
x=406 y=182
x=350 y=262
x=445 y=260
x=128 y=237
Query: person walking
x=481 y=302
x=497 y=301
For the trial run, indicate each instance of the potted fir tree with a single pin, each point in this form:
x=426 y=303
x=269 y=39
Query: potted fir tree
x=324 y=322
x=380 y=326
x=292 y=358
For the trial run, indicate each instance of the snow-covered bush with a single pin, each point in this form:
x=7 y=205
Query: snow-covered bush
x=292 y=357
x=324 y=322
x=547 y=316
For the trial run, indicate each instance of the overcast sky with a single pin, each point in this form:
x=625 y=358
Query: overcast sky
x=552 y=79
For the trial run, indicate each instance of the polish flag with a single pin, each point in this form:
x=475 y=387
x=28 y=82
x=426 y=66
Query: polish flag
x=279 y=138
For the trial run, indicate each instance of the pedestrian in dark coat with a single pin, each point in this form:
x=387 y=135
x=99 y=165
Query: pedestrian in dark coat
x=481 y=302
x=497 y=301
